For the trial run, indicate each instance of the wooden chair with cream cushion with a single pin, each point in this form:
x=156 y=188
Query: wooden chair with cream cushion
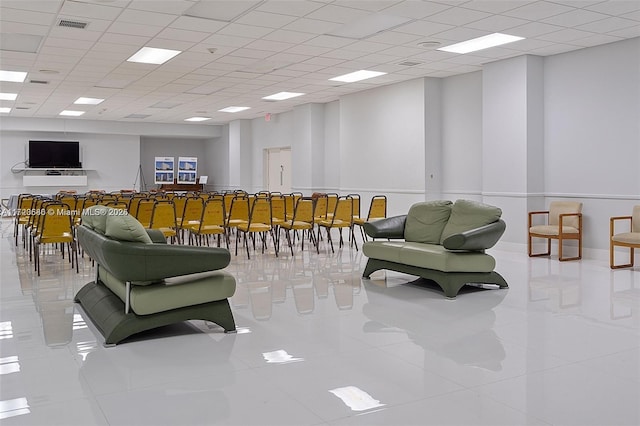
x=625 y=239
x=564 y=222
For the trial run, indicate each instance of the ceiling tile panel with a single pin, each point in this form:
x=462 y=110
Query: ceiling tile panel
x=313 y=26
x=423 y=28
x=287 y=36
x=615 y=7
x=497 y=23
x=27 y=17
x=264 y=19
x=417 y=9
x=148 y=18
x=134 y=29
x=495 y=6
x=197 y=24
x=458 y=16
x=608 y=25
x=538 y=10
x=47 y=6
x=575 y=17
x=86 y=10
x=287 y=7
x=182 y=35
x=336 y=14
x=245 y=31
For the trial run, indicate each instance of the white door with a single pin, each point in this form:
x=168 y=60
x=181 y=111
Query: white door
x=279 y=170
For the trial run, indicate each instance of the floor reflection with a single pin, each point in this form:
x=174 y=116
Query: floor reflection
x=470 y=339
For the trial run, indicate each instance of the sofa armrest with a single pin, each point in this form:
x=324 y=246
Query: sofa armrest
x=156 y=236
x=390 y=227
x=480 y=238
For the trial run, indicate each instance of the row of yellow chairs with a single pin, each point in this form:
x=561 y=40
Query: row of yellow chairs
x=45 y=221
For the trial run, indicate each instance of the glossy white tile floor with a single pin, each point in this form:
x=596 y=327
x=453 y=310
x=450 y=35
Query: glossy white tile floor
x=319 y=346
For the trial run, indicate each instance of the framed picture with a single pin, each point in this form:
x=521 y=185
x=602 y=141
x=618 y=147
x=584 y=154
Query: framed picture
x=164 y=170
x=187 y=169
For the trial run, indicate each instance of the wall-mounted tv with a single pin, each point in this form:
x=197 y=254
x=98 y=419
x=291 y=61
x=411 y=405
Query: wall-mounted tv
x=54 y=154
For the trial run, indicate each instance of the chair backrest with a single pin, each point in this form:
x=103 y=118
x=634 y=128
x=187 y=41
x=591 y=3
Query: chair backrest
x=179 y=202
x=291 y=200
x=344 y=209
x=356 y=204
x=25 y=204
x=163 y=215
x=213 y=212
x=56 y=221
x=144 y=211
x=556 y=208
x=635 y=219
x=260 y=211
x=239 y=209
x=321 y=207
x=192 y=210
x=278 y=207
x=332 y=200
x=304 y=211
x=378 y=207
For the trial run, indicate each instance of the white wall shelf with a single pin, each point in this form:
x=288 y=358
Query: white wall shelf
x=67 y=177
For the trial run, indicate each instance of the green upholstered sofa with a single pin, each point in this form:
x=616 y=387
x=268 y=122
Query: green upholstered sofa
x=440 y=241
x=143 y=283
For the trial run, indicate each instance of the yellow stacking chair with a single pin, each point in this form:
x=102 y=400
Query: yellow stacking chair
x=342 y=218
x=259 y=224
x=211 y=222
x=302 y=220
x=56 y=228
x=377 y=210
x=163 y=217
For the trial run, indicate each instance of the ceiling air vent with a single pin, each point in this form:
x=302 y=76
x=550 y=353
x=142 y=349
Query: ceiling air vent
x=22 y=107
x=38 y=81
x=67 y=23
x=409 y=63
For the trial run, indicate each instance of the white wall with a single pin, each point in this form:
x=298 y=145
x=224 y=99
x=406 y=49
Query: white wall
x=462 y=136
x=332 y=140
x=382 y=144
x=592 y=132
x=111 y=160
x=217 y=155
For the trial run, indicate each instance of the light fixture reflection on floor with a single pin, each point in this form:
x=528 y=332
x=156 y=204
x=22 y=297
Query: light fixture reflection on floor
x=14 y=407
x=280 y=357
x=356 y=399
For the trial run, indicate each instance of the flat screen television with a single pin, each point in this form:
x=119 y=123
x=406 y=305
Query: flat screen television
x=54 y=154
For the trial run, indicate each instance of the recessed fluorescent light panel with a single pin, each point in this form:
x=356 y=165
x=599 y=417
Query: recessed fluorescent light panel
x=88 y=101
x=282 y=96
x=197 y=119
x=72 y=113
x=13 y=76
x=152 y=55
x=8 y=96
x=480 y=43
x=234 y=109
x=357 y=76
x=5 y=110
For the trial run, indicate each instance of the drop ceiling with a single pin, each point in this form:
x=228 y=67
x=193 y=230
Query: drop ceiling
x=236 y=52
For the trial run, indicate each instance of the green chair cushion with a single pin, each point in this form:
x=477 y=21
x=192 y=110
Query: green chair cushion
x=467 y=214
x=173 y=293
x=426 y=221
x=122 y=226
x=95 y=217
x=429 y=256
